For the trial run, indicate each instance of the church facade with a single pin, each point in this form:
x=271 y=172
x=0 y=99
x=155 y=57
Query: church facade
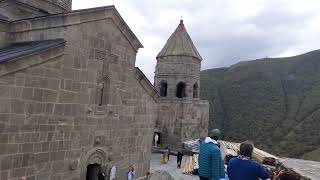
x=72 y=102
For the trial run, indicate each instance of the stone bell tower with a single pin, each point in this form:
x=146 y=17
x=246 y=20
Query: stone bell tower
x=181 y=114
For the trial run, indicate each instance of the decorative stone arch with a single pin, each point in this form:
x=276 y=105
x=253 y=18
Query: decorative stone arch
x=181 y=90
x=94 y=156
x=195 y=90
x=163 y=88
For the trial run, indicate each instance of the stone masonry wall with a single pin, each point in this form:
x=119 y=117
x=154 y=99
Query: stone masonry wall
x=51 y=6
x=182 y=120
x=51 y=123
x=175 y=69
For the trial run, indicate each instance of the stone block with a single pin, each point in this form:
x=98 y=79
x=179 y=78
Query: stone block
x=68 y=73
x=47 y=127
x=4 y=138
x=50 y=95
x=58 y=109
x=41 y=157
x=5 y=105
x=17 y=119
x=53 y=84
x=16 y=173
x=49 y=108
x=67 y=97
x=4 y=91
x=57 y=156
x=4 y=175
x=54 y=146
x=43 y=176
x=39 y=108
x=6 y=162
x=27 y=93
x=17 y=106
x=28 y=159
x=26 y=148
x=17 y=160
x=4 y=118
x=52 y=73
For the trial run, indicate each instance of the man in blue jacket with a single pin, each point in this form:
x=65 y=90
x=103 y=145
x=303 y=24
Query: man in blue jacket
x=243 y=168
x=211 y=166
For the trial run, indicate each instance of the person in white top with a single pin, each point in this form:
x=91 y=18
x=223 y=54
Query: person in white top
x=156 y=139
x=113 y=173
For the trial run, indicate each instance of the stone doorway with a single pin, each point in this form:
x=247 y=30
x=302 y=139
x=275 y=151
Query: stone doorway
x=94 y=163
x=93 y=172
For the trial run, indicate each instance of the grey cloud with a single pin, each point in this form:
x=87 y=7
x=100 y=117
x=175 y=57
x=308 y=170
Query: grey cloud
x=223 y=36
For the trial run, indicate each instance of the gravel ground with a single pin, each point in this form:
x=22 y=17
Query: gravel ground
x=171 y=167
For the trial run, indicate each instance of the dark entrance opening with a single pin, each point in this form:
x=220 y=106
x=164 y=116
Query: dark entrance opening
x=181 y=90
x=93 y=172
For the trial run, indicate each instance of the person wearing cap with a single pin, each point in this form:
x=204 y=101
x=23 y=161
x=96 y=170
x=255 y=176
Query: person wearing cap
x=211 y=165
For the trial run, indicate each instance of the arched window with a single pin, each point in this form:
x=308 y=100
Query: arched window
x=181 y=90
x=163 y=89
x=195 y=90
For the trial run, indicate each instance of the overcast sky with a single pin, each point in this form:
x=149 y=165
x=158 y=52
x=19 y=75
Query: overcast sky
x=224 y=31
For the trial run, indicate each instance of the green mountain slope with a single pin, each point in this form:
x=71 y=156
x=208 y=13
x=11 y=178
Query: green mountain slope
x=274 y=102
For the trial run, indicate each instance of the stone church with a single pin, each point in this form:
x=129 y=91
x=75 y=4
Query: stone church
x=72 y=102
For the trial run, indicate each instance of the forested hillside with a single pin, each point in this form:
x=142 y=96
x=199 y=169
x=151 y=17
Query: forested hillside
x=273 y=101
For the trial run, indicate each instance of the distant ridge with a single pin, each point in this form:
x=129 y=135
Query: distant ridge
x=273 y=101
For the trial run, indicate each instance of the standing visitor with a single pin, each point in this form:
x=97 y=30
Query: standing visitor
x=113 y=172
x=179 y=159
x=131 y=175
x=168 y=152
x=242 y=167
x=156 y=139
x=165 y=157
x=211 y=165
x=101 y=175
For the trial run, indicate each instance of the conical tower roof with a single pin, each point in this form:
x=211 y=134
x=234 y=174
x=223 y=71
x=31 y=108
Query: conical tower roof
x=179 y=44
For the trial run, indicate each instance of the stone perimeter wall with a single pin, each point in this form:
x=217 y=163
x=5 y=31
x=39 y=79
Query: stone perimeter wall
x=51 y=127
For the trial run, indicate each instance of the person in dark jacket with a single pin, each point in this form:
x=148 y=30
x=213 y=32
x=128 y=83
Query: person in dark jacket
x=179 y=159
x=243 y=168
x=211 y=166
x=168 y=151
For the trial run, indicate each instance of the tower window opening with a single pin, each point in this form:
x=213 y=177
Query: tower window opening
x=195 y=90
x=163 y=89
x=181 y=90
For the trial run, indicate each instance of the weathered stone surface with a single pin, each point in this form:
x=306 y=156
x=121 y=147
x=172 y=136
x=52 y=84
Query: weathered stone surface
x=46 y=128
x=160 y=175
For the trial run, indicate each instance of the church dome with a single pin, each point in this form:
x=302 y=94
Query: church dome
x=179 y=44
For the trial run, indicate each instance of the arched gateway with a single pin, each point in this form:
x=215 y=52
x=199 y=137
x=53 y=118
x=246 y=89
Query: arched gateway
x=93 y=163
